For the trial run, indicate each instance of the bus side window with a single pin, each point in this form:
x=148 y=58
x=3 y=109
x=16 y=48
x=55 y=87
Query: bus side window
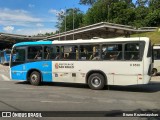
x=48 y=52
x=132 y=51
x=112 y=52
x=70 y=52
x=53 y=52
x=89 y=52
x=34 y=53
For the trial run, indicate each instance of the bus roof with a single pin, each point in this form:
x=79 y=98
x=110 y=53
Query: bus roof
x=99 y=40
x=156 y=46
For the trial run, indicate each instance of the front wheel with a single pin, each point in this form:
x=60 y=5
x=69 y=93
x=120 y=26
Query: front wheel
x=35 y=78
x=96 y=81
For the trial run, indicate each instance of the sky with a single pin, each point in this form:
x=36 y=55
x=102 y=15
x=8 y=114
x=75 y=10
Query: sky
x=30 y=17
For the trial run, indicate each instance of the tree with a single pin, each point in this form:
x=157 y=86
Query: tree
x=66 y=20
x=87 y=2
x=97 y=13
x=141 y=13
x=141 y=2
x=154 y=4
x=153 y=18
x=117 y=11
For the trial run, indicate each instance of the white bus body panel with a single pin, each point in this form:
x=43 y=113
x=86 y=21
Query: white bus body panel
x=117 y=72
x=157 y=65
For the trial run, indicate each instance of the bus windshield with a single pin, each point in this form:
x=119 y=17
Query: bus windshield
x=18 y=56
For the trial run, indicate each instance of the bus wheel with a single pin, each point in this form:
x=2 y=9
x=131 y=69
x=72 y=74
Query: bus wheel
x=96 y=81
x=35 y=78
x=154 y=72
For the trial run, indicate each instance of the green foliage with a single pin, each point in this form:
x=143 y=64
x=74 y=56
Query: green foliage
x=140 y=16
x=112 y=11
x=142 y=13
x=71 y=20
x=153 y=18
x=141 y=2
x=154 y=4
x=87 y=2
x=154 y=36
x=122 y=13
x=98 y=13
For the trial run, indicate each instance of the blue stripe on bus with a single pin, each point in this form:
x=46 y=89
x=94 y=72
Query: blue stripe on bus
x=45 y=67
x=33 y=43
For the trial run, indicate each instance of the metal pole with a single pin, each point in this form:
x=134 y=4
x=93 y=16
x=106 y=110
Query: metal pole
x=59 y=33
x=73 y=23
x=108 y=12
x=65 y=22
x=59 y=30
x=58 y=15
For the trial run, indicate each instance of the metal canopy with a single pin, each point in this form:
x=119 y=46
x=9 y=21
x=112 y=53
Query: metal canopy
x=102 y=29
x=7 y=40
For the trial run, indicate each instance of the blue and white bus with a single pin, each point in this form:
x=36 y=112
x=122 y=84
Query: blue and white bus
x=5 y=56
x=96 y=62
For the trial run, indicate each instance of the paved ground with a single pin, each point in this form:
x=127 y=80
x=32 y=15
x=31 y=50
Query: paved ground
x=20 y=96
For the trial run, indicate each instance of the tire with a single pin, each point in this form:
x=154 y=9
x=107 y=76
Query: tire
x=96 y=81
x=154 y=72
x=35 y=78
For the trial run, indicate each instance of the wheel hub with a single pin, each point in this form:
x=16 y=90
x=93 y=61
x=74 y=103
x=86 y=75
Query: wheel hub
x=34 y=77
x=96 y=82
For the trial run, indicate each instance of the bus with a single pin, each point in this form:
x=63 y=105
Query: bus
x=5 y=56
x=0 y=56
x=96 y=62
x=156 y=54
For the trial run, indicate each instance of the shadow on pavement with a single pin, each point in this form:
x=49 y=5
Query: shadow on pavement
x=57 y=84
x=149 y=88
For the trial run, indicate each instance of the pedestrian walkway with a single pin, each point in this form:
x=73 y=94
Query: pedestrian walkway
x=4 y=78
x=155 y=78
x=4 y=73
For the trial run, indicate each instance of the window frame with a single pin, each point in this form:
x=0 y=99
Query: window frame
x=30 y=60
x=100 y=44
x=21 y=62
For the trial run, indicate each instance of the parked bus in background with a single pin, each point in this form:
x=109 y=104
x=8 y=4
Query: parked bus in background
x=96 y=62
x=5 y=56
x=156 y=53
x=0 y=56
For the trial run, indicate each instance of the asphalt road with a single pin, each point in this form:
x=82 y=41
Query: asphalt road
x=20 y=96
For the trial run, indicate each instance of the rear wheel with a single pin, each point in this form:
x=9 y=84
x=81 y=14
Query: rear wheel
x=154 y=72
x=35 y=78
x=96 y=81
